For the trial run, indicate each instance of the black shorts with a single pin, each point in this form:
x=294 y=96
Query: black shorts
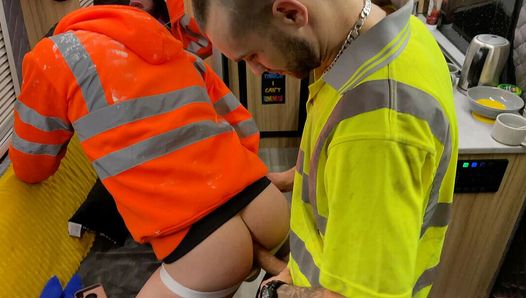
x=211 y=222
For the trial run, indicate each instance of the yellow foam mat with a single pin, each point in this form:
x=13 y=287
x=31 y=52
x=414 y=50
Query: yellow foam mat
x=34 y=240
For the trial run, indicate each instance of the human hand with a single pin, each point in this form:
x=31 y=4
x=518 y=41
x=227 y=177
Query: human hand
x=283 y=276
x=283 y=180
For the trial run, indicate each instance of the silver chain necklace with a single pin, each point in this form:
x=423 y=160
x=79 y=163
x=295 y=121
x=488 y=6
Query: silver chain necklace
x=353 y=34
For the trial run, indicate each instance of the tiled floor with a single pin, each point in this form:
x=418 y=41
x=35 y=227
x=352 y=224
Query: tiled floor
x=106 y=265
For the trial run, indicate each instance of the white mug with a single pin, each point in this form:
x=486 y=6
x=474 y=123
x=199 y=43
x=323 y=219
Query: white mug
x=509 y=129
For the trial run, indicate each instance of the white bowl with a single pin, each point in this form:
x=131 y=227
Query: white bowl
x=512 y=102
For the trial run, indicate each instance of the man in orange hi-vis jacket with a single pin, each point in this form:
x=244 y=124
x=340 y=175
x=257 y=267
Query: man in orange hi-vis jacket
x=170 y=142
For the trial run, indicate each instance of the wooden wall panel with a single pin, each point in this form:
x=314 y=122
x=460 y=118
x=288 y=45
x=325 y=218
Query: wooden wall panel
x=233 y=75
x=280 y=143
x=40 y=15
x=274 y=117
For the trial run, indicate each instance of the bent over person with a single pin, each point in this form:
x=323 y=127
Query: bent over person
x=373 y=183
x=169 y=141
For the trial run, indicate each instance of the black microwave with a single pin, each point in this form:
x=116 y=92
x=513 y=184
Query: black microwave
x=464 y=19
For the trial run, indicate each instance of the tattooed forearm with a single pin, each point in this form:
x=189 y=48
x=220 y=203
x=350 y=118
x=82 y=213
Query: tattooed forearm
x=297 y=292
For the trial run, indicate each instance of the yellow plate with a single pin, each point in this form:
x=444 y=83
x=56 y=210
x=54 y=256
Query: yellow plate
x=482 y=118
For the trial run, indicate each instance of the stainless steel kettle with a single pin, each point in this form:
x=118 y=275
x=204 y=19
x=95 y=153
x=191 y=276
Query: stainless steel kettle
x=485 y=58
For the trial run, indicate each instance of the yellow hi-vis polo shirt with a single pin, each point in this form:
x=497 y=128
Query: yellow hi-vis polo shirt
x=374 y=179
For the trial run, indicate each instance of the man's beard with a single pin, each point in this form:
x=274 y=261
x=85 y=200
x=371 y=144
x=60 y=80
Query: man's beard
x=299 y=54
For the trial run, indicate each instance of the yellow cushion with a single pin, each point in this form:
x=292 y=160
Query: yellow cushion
x=34 y=240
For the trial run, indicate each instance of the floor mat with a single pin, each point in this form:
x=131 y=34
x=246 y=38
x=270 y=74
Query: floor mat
x=121 y=270
x=35 y=244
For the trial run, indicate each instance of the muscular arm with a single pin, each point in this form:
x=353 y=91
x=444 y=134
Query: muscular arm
x=41 y=127
x=228 y=106
x=297 y=292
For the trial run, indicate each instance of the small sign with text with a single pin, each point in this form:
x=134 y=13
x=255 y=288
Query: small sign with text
x=272 y=88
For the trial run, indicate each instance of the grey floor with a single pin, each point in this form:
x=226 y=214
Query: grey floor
x=123 y=270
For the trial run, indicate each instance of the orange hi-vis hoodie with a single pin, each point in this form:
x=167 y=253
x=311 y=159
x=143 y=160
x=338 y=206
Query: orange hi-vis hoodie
x=164 y=134
x=185 y=29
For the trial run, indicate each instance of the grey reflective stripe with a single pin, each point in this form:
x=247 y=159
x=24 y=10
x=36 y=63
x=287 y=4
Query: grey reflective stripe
x=194 y=47
x=321 y=222
x=184 y=21
x=368 y=70
x=246 y=128
x=305 y=189
x=200 y=66
x=132 y=110
x=426 y=279
x=371 y=43
x=299 y=162
x=374 y=95
x=437 y=216
x=226 y=104
x=310 y=190
x=83 y=69
x=157 y=146
x=34 y=118
x=303 y=258
x=35 y=148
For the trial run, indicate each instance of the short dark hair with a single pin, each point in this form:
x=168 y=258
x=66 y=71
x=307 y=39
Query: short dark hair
x=245 y=13
x=160 y=11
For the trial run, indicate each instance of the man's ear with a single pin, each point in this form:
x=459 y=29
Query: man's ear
x=290 y=12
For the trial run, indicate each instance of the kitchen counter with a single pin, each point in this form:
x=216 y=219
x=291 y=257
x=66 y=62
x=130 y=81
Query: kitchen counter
x=482 y=223
x=474 y=136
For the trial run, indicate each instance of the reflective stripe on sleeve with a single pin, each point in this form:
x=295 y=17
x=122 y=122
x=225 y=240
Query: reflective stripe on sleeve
x=246 y=128
x=438 y=215
x=304 y=259
x=426 y=279
x=34 y=118
x=226 y=104
x=299 y=162
x=33 y=148
x=200 y=66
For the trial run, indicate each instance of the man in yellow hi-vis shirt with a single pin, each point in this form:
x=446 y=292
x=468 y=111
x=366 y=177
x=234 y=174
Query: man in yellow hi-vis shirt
x=373 y=184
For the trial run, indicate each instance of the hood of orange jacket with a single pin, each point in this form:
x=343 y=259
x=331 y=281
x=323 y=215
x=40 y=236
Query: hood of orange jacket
x=175 y=10
x=132 y=27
